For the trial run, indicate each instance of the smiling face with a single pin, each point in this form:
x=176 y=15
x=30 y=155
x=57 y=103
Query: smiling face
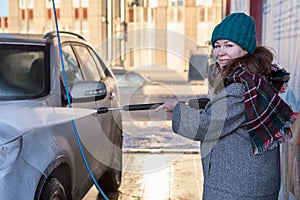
x=225 y=50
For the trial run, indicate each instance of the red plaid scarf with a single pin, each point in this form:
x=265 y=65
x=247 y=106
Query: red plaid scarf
x=268 y=117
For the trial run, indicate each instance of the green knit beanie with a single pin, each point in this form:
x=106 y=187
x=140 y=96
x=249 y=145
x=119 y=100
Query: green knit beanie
x=238 y=28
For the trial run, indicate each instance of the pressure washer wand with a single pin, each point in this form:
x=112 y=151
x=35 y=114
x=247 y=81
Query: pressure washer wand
x=134 y=107
x=199 y=103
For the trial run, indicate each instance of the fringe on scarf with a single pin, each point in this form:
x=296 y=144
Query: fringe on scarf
x=284 y=134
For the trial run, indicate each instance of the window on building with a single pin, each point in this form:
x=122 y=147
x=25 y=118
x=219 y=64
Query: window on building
x=30 y=14
x=22 y=4
x=136 y=3
x=26 y=4
x=76 y=13
x=5 y=22
x=176 y=2
x=153 y=3
x=50 y=14
x=58 y=13
x=84 y=3
x=131 y=17
x=180 y=3
x=76 y=3
x=30 y=4
x=204 y=3
x=84 y=13
x=49 y=3
x=80 y=9
x=80 y=3
x=23 y=14
x=175 y=15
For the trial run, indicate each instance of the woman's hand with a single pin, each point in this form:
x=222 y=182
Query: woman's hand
x=168 y=105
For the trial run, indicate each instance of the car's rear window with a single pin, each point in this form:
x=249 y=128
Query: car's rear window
x=22 y=72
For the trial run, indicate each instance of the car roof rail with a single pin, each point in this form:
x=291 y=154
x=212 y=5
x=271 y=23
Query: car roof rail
x=52 y=34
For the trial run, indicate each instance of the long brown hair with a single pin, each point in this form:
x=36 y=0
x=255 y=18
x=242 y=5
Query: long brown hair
x=260 y=62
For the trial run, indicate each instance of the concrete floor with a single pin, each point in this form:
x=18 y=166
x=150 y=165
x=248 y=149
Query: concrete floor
x=158 y=176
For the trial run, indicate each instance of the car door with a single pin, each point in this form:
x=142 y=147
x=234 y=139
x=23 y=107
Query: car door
x=88 y=128
x=91 y=72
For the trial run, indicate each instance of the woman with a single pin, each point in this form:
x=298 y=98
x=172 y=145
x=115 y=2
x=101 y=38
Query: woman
x=245 y=120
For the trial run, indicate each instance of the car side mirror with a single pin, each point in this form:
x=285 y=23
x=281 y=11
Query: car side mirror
x=84 y=91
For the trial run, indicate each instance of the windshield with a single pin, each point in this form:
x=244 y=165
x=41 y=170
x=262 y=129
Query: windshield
x=22 y=72
x=129 y=79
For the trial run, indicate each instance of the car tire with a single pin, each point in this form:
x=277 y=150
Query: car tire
x=110 y=181
x=53 y=190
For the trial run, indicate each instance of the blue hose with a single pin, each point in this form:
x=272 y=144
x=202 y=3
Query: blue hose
x=69 y=104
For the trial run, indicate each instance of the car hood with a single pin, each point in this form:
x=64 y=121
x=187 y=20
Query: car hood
x=16 y=120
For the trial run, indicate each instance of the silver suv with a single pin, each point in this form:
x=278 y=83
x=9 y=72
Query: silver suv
x=50 y=131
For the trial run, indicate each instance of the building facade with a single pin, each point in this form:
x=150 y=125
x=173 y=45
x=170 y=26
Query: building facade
x=123 y=30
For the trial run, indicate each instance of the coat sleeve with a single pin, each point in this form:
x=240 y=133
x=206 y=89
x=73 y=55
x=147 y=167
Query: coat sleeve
x=224 y=114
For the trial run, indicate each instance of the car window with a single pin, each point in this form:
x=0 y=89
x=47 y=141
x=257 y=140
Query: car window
x=129 y=79
x=22 y=72
x=72 y=70
x=101 y=66
x=89 y=67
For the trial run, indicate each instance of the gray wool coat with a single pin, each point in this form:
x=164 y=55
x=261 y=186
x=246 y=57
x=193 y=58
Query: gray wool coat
x=231 y=170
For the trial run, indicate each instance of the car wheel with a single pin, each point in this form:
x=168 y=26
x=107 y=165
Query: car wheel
x=53 y=190
x=110 y=181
